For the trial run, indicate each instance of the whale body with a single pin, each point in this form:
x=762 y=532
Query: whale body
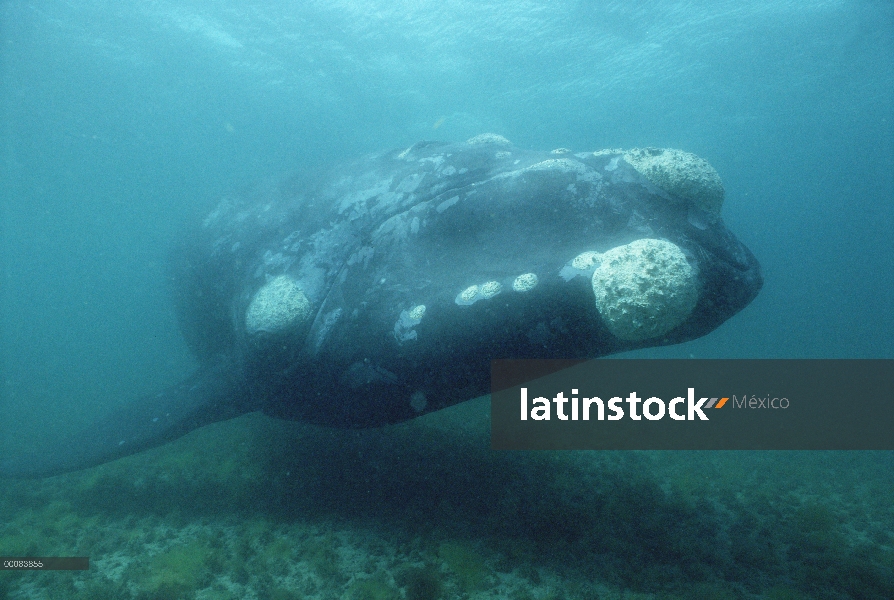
x=381 y=290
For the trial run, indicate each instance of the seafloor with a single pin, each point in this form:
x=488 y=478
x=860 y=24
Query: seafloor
x=261 y=509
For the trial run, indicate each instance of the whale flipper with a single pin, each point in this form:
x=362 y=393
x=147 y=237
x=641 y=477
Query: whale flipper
x=211 y=394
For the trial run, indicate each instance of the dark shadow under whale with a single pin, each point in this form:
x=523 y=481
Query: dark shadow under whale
x=381 y=291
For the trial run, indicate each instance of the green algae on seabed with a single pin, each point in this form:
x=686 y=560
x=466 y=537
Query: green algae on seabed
x=374 y=588
x=176 y=572
x=815 y=525
x=467 y=565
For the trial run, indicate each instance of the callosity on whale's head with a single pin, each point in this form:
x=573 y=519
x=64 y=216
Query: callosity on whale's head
x=385 y=290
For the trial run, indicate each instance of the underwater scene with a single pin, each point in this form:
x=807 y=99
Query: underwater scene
x=257 y=258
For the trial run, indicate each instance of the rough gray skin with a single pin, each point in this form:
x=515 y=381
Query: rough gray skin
x=369 y=244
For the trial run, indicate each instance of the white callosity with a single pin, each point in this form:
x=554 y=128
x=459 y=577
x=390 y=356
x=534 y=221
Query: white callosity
x=417 y=312
x=488 y=138
x=525 y=282
x=644 y=289
x=279 y=306
x=581 y=265
x=682 y=174
x=585 y=260
x=468 y=295
x=474 y=293
x=404 y=327
x=490 y=289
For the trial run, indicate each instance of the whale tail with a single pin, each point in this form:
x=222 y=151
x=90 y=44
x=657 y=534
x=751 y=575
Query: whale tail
x=211 y=394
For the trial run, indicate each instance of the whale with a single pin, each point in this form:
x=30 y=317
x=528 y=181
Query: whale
x=381 y=289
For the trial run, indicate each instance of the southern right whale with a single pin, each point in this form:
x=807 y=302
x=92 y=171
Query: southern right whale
x=381 y=290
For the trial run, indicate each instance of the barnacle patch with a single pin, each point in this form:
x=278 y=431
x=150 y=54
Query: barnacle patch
x=277 y=307
x=488 y=138
x=525 y=282
x=490 y=289
x=582 y=264
x=404 y=327
x=644 y=289
x=585 y=260
x=467 y=296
